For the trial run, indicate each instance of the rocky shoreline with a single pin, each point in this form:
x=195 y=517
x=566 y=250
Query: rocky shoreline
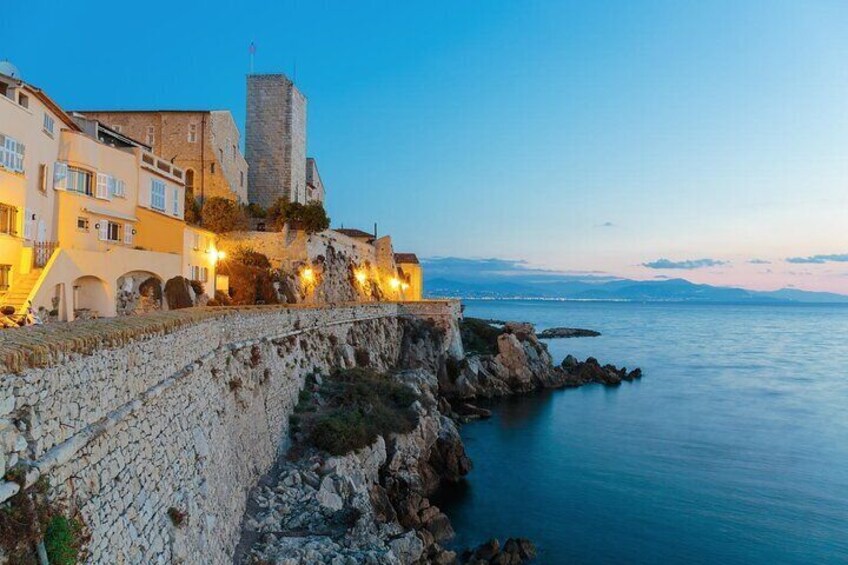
x=566 y=333
x=373 y=505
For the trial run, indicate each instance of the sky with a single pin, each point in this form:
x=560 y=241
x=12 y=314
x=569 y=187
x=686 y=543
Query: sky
x=702 y=140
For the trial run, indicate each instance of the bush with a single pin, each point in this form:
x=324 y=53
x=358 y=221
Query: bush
x=310 y=217
x=63 y=540
x=176 y=293
x=249 y=257
x=355 y=406
x=479 y=336
x=192 y=208
x=221 y=215
x=254 y=210
x=197 y=287
x=221 y=298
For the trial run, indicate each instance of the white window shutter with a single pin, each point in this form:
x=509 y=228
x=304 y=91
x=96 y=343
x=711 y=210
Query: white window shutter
x=128 y=234
x=112 y=186
x=102 y=186
x=120 y=187
x=28 y=223
x=60 y=176
x=103 y=230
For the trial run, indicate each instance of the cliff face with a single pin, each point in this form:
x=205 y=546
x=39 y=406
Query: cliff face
x=133 y=420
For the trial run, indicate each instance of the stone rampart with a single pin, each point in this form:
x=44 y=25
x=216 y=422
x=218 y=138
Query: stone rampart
x=130 y=418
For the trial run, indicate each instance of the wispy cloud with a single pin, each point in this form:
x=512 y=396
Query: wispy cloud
x=687 y=264
x=759 y=262
x=606 y=225
x=820 y=259
x=469 y=268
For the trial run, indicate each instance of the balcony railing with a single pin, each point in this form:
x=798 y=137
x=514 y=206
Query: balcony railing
x=41 y=252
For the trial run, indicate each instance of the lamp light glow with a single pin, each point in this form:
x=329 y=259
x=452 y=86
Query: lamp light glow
x=307 y=275
x=361 y=277
x=394 y=282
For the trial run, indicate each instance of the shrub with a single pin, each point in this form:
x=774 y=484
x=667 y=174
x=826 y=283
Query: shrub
x=249 y=257
x=177 y=516
x=221 y=215
x=310 y=217
x=192 y=208
x=254 y=210
x=64 y=540
x=479 y=336
x=357 y=406
x=176 y=293
x=221 y=298
x=197 y=287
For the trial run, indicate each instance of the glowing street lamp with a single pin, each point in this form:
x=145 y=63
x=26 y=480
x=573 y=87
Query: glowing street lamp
x=307 y=275
x=361 y=277
x=394 y=282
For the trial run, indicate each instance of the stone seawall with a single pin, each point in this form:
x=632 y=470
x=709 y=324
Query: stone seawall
x=130 y=418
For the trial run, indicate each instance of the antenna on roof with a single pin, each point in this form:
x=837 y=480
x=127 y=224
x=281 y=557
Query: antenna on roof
x=252 y=51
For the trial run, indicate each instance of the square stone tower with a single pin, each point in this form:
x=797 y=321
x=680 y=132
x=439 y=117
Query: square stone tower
x=275 y=139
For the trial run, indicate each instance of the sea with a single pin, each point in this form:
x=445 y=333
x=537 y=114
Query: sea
x=732 y=448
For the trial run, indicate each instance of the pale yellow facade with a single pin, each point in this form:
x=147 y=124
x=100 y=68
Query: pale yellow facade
x=82 y=221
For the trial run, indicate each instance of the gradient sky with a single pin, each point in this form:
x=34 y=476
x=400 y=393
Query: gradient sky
x=639 y=139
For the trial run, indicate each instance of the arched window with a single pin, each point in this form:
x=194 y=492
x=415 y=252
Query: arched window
x=189 y=178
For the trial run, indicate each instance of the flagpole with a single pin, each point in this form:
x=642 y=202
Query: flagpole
x=252 y=51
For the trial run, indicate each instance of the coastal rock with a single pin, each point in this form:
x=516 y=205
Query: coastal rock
x=575 y=373
x=564 y=333
x=513 y=552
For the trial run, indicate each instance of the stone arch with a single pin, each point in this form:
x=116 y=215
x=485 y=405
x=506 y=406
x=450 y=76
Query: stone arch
x=138 y=292
x=91 y=297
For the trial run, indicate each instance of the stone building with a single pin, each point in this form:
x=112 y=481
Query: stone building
x=204 y=143
x=315 y=191
x=275 y=140
x=88 y=216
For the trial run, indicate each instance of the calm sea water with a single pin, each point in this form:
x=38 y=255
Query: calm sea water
x=732 y=449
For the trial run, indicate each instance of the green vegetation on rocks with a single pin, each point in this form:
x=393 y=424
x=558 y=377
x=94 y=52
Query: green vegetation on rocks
x=347 y=410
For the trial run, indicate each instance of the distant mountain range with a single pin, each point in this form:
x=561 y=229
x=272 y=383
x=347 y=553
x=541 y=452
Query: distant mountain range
x=670 y=290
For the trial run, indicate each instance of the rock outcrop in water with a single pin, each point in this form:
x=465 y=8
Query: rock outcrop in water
x=517 y=362
x=373 y=505
x=564 y=333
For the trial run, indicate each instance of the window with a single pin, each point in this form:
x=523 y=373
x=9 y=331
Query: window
x=157 y=195
x=234 y=151
x=109 y=231
x=49 y=123
x=8 y=219
x=42 y=177
x=241 y=178
x=212 y=168
x=192 y=133
x=5 y=278
x=82 y=223
x=176 y=203
x=23 y=100
x=79 y=180
x=220 y=154
x=199 y=273
x=189 y=179
x=11 y=154
x=117 y=188
x=151 y=135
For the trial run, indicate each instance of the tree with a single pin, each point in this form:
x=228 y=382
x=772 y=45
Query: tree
x=221 y=215
x=310 y=217
x=192 y=210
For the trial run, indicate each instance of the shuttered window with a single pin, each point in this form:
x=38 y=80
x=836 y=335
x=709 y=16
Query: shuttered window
x=157 y=195
x=8 y=219
x=11 y=154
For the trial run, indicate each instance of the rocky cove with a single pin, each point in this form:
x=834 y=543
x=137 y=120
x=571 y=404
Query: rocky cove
x=373 y=504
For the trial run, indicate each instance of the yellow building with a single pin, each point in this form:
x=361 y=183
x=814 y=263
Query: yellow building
x=411 y=276
x=91 y=222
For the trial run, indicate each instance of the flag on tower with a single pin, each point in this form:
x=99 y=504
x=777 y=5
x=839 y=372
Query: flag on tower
x=252 y=48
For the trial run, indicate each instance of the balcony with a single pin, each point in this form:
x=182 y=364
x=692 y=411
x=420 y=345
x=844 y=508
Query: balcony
x=162 y=167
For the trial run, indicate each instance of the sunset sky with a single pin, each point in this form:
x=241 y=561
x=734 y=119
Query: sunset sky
x=707 y=141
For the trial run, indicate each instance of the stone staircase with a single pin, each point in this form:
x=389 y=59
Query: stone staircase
x=18 y=294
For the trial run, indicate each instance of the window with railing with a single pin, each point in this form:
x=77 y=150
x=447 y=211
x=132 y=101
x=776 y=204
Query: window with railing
x=8 y=219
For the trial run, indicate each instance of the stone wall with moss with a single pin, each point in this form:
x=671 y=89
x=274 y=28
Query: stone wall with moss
x=136 y=420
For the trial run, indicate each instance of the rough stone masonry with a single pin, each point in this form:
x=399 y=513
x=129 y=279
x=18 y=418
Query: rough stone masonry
x=275 y=139
x=129 y=418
